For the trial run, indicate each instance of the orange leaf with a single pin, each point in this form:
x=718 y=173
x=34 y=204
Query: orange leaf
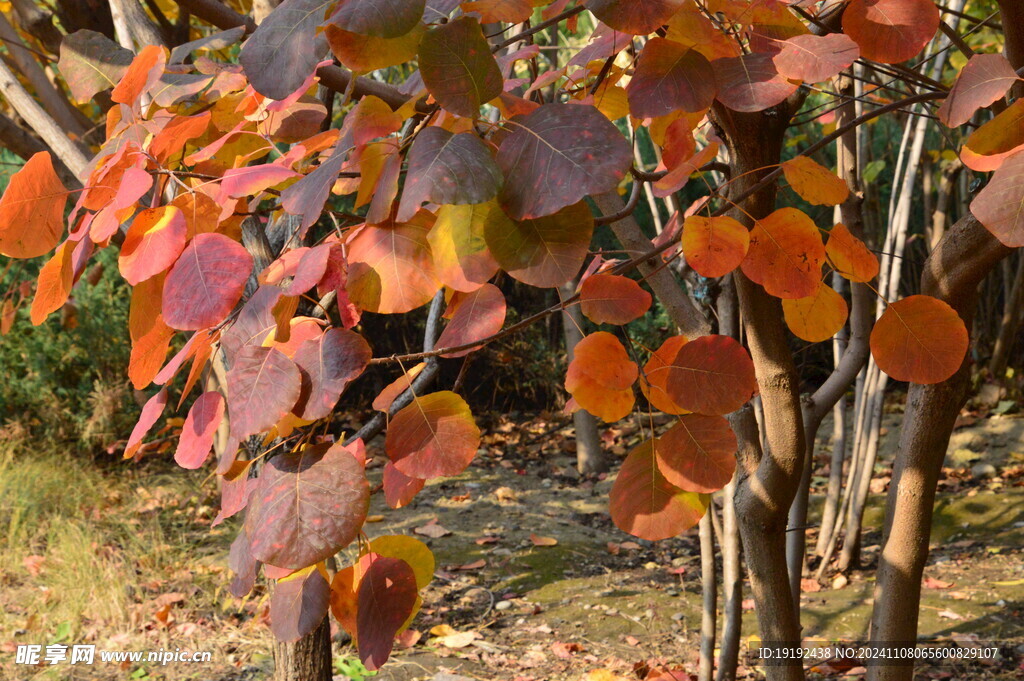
x=890 y=31
x=32 y=209
x=817 y=317
x=815 y=183
x=388 y=395
x=646 y=505
x=143 y=73
x=698 y=453
x=711 y=375
x=54 y=285
x=602 y=357
x=919 y=339
x=434 y=436
x=714 y=246
x=786 y=253
x=153 y=243
x=850 y=256
x=654 y=377
x=613 y=299
x=538 y=540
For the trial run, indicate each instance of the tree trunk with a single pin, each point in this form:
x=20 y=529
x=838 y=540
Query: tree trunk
x=709 y=586
x=952 y=274
x=308 y=659
x=590 y=457
x=1013 y=313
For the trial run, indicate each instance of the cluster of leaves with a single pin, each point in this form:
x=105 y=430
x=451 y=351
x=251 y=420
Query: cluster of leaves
x=465 y=173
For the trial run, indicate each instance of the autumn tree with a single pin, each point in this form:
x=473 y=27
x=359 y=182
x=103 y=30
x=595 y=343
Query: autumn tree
x=388 y=156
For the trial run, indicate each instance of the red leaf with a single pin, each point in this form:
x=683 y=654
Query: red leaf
x=891 y=31
x=984 y=79
x=252 y=180
x=613 y=299
x=654 y=377
x=786 y=253
x=390 y=266
x=698 y=454
x=32 y=209
x=670 y=77
x=814 y=58
x=307 y=506
x=1000 y=205
x=448 y=169
x=711 y=375
x=475 y=316
x=750 y=82
x=205 y=283
x=646 y=505
x=153 y=243
x=199 y=430
x=399 y=488
x=434 y=436
x=558 y=154
x=634 y=16
x=242 y=563
x=150 y=413
x=386 y=596
x=263 y=386
x=298 y=604
x=327 y=365
x=457 y=66
x=919 y=339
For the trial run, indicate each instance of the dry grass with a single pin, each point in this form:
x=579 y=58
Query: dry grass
x=123 y=558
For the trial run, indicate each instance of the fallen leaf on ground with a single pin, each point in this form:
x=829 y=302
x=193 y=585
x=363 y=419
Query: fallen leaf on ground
x=432 y=530
x=565 y=650
x=543 y=541
x=932 y=583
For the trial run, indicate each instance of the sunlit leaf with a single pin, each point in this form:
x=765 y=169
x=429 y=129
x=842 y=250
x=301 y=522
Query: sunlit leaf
x=613 y=299
x=307 y=506
x=391 y=269
x=601 y=375
x=141 y=75
x=849 y=256
x=919 y=339
x=558 y=154
x=54 y=283
x=205 y=282
x=890 y=31
x=998 y=139
x=646 y=505
x=711 y=375
x=546 y=251
x=815 y=183
x=457 y=66
x=984 y=79
x=785 y=255
x=474 y=317
x=814 y=58
x=32 y=209
x=153 y=243
x=698 y=454
x=714 y=246
x=434 y=436
x=364 y=53
x=151 y=411
x=654 y=377
x=461 y=257
x=399 y=488
x=1000 y=205
x=508 y=11
x=391 y=392
x=199 y=429
x=817 y=317
x=412 y=551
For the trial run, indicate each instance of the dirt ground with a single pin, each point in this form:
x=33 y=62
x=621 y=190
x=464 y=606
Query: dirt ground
x=534 y=582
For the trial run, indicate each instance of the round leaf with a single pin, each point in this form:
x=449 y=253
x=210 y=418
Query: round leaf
x=984 y=79
x=814 y=58
x=815 y=183
x=32 y=209
x=698 y=454
x=817 y=317
x=849 y=256
x=750 y=82
x=546 y=251
x=457 y=66
x=205 y=282
x=714 y=246
x=919 y=339
x=654 y=377
x=890 y=31
x=786 y=254
x=263 y=385
x=634 y=16
x=711 y=375
x=670 y=77
x=1000 y=205
x=434 y=436
x=153 y=242
x=307 y=506
x=613 y=299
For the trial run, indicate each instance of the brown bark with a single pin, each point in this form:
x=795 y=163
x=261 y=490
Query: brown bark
x=768 y=482
x=308 y=659
x=590 y=457
x=1009 y=324
x=952 y=273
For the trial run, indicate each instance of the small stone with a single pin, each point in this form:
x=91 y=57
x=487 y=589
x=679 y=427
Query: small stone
x=546 y=482
x=672 y=592
x=650 y=565
x=678 y=562
x=840 y=582
x=678 y=616
x=649 y=614
x=983 y=471
x=503 y=605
